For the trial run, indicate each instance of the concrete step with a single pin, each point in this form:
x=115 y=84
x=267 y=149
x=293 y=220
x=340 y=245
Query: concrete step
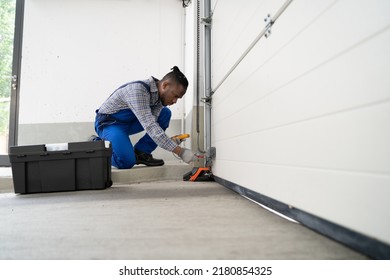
x=6 y=185
x=170 y=171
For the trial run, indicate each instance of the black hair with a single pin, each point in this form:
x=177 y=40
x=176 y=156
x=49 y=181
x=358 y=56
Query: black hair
x=177 y=76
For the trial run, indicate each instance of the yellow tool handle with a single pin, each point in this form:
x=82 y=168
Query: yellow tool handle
x=182 y=136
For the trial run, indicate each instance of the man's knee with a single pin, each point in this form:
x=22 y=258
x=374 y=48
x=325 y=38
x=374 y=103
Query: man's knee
x=123 y=158
x=126 y=162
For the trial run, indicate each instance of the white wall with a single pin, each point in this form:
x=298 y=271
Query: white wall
x=304 y=119
x=76 y=52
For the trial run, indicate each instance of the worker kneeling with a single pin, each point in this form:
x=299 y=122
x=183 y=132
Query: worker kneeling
x=138 y=106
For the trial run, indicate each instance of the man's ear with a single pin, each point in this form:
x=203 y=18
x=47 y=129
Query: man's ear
x=165 y=84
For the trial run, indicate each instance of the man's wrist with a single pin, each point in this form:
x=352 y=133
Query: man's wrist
x=177 y=150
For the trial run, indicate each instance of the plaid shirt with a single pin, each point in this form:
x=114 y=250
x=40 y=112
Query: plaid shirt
x=145 y=105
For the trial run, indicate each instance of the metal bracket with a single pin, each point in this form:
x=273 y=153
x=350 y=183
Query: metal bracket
x=14 y=84
x=206 y=100
x=210 y=155
x=186 y=3
x=207 y=20
x=211 y=152
x=268 y=24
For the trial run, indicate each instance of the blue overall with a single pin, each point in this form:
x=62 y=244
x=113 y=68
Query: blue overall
x=117 y=127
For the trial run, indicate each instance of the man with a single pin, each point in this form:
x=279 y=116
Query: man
x=138 y=106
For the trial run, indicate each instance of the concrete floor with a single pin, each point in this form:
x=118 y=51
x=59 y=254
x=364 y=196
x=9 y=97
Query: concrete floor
x=154 y=220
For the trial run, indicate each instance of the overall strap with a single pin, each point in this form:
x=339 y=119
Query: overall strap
x=135 y=82
x=122 y=86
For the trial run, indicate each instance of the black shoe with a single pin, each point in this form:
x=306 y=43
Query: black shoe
x=147 y=159
x=94 y=138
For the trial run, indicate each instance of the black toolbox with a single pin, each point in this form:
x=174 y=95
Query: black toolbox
x=78 y=166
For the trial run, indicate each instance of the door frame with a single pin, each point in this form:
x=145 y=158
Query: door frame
x=15 y=81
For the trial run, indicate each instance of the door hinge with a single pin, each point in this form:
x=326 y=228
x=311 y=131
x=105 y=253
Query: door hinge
x=268 y=24
x=14 y=84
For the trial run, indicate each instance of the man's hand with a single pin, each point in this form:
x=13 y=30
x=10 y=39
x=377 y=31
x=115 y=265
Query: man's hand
x=180 y=138
x=176 y=140
x=187 y=155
